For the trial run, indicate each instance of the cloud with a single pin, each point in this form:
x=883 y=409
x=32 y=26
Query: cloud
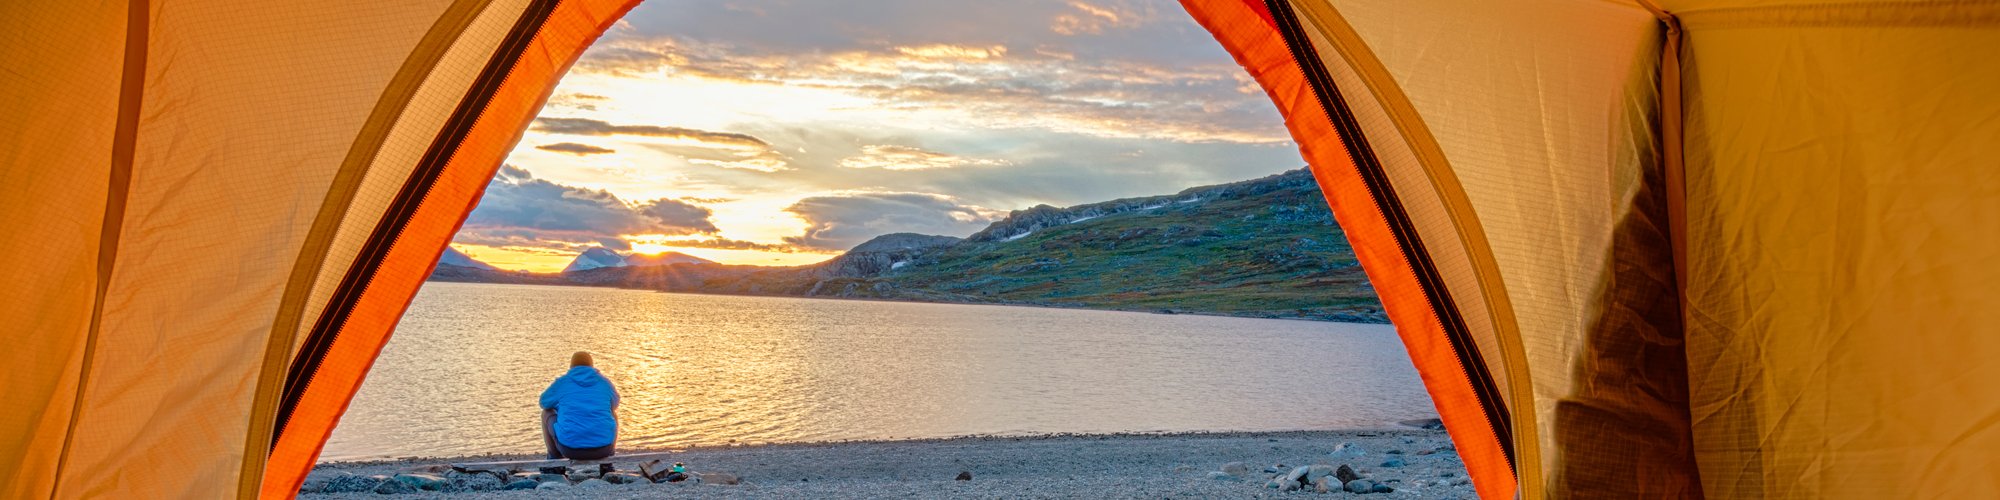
x=839 y=222
x=586 y=126
x=698 y=147
x=1041 y=86
x=575 y=149
x=908 y=158
x=522 y=211
x=1093 y=19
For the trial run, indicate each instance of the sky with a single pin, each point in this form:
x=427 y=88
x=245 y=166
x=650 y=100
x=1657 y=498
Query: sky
x=784 y=132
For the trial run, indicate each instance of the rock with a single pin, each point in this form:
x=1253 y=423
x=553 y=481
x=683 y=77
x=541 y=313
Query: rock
x=481 y=481
x=1316 y=471
x=577 y=476
x=522 y=484
x=1323 y=485
x=425 y=482
x=1348 y=451
x=593 y=483
x=624 y=478
x=1235 y=469
x=318 y=483
x=1298 y=475
x=1381 y=488
x=351 y=483
x=1393 y=463
x=1360 y=486
x=1183 y=468
x=1424 y=452
x=390 y=486
x=721 y=478
x=1345 y=474
x=1393 y=452
x=964 y=475
x=1222 y=476
x=1425 y=423
x=553 y=485
x=1270 y=470
x=550 y=478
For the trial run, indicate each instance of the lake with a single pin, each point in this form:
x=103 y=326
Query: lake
x=463 y=371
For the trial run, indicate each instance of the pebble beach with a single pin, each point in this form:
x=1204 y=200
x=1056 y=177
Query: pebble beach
x=1387 y=463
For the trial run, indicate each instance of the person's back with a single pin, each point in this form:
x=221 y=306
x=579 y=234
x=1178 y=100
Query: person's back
x=579 y=419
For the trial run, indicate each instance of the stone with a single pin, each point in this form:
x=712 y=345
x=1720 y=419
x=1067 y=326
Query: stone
x=550 y=478
x=1424 y=452
x=1393 y=452
x=1381 y=488
x=1222 y=476
x=424 y=482
x=1235 y=469
x=624 y=478
x=1271 y=470
x=351 y=483
x=577 y=476
x=390 y=486
x=1298 y=475
x=553 y=485
x=1323 y=485
x=1348 y=451
x=1359 y=486
x=1345 y=474
x=1183 y=468
x=1393 y=463
x=522 y=484
x=964 y=475
x=593 y=483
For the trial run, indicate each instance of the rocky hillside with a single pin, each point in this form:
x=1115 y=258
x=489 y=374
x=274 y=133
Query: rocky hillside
x=1262 y=248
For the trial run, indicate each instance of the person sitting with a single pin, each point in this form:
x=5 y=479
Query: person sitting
x=579 y=413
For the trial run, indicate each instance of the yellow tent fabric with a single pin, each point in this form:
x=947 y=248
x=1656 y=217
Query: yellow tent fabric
x=1728 y=248
x=1808 y=187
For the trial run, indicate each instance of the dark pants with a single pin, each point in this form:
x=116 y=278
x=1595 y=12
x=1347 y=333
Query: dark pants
x=556 y=448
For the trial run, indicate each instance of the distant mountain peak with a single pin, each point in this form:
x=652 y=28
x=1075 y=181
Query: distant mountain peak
x=453 y=257
x=600 y=257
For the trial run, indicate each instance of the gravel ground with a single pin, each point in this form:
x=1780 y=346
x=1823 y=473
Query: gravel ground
x=1060 y=466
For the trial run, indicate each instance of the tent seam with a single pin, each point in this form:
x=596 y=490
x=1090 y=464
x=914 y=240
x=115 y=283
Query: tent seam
x=124 y=143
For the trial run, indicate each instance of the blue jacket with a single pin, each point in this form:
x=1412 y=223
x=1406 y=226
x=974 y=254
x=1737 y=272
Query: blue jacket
x=583 y=400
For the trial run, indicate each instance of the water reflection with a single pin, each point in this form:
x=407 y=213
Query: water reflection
x=463 y=371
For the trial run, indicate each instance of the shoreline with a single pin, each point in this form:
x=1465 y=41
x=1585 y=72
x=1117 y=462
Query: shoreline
x=1413 y=462
x=1380 y=318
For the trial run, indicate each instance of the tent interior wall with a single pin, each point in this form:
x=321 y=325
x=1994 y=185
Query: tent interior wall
x=1686 y=248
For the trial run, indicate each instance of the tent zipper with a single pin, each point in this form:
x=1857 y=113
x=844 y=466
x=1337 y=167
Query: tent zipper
x=1383 y=197
x=326 y=329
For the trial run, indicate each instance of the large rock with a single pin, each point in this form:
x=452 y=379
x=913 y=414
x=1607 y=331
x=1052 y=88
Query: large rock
x=1393 y=463
x=1317 y=471
x=1348 y=451
x=423 y=482
x=390 y=486
x=1345 y=474
x=1360 y=486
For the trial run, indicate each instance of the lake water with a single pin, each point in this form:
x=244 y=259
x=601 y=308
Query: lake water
x=462 y=373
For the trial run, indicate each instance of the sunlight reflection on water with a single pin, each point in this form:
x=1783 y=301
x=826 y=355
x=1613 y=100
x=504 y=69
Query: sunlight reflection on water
x=463 y=371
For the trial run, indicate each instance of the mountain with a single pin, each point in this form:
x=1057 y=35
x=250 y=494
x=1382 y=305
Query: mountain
x=453 y=257
x=600 y=257
x=1260 y=248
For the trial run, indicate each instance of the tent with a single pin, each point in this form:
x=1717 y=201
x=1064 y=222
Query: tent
x=1636 y=248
